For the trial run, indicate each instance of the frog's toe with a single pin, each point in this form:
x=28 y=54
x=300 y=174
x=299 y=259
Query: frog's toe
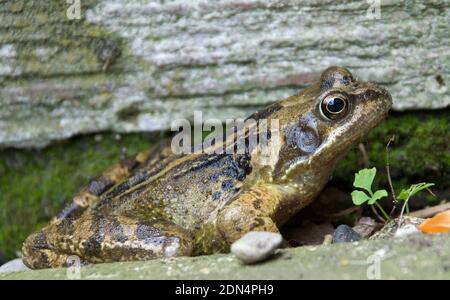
x=37 y=254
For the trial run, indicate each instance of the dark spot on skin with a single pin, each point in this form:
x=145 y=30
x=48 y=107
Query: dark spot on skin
x=327 y=84
x=149 y=234
x=71 y=210
x=305 y=139
x=213 y=177
x=40 y=241
x=227 y=185
x=119 y=189
x=347 y=79
x=257 y=204
x=259 y=222
x=126 y=185
x=243 y=164
x=92 y=245
x=116 y=232
x=99 y=185
x=216 y=196
x=440 y=80
x=66 y=227
x=200 y=164
x=302 y=140
x=129 y=163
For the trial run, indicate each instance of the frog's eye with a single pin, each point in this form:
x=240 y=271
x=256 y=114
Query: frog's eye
x=334 y=107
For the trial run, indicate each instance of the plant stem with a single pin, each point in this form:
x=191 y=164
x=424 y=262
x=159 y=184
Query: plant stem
x=400 y=218
x=377 y=214
x=382 y=211
x=388 y=171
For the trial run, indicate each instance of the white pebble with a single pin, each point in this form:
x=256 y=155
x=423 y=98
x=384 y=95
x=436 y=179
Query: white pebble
x=406 y=230
x=256 y=246
x=15 y=265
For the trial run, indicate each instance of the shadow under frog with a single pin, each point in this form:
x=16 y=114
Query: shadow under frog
x=158 y=204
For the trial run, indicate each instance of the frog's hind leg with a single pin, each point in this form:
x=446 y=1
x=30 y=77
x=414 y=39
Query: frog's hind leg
x=43 y=250
x=97 y=239
x=121 y=238
x=149 y=160
x=89 y=195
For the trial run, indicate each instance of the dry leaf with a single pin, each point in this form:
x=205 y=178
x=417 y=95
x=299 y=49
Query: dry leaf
x=440 y=223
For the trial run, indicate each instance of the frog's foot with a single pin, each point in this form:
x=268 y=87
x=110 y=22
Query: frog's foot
x=105 y=239
x=37 y=254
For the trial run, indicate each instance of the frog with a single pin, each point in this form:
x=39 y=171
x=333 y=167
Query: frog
x=163 y=204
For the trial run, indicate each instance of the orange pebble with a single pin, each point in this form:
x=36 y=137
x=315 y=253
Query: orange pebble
x=440 y=223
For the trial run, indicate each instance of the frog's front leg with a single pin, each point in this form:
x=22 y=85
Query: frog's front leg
x=257 y=209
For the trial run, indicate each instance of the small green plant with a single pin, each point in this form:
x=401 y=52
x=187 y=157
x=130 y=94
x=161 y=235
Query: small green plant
x=405 y=195
x=363 y=180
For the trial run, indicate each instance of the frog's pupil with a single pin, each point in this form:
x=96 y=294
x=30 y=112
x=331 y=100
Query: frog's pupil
x=335 y=105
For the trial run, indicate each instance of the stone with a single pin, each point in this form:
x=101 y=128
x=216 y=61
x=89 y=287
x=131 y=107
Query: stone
x=406 y=230
x=365 y=226
x=15 y=265
x=256 y=246
x=389 y=229
x=417 y=257
x=345 y=234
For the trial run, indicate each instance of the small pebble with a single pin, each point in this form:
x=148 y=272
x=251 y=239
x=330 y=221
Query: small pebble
x=406 y=230
x=256 y=246
x=345 y=234
x=365 y=226
x=15 y=265
x=327 y=240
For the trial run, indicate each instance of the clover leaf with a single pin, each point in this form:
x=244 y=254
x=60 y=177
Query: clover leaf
x=364 y=180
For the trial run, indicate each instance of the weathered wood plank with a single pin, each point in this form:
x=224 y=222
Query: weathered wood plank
x=136 y=65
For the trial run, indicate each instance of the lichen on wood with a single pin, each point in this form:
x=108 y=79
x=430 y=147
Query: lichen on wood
x=136 y=65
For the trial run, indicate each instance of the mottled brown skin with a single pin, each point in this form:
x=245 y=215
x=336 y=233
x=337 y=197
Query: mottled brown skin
x=159 y=204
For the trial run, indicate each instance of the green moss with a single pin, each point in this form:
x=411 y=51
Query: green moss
x=69 y=47
x=419 y=153
x=35 y=184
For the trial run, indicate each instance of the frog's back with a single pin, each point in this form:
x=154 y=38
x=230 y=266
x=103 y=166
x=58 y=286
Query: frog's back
x=187 y=190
